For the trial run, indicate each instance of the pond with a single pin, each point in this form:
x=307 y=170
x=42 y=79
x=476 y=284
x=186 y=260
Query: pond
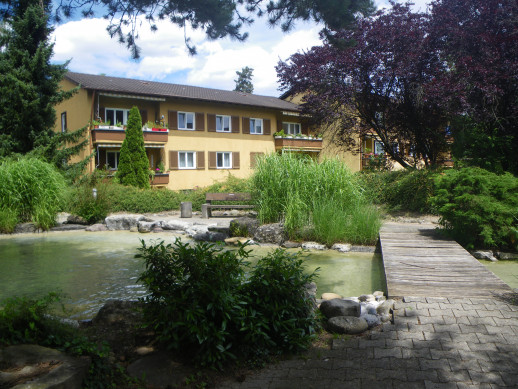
x=507 y=271
x=91 y=267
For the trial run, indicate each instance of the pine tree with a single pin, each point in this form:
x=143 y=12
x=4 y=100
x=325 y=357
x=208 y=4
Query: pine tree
x=244 y=80
x=29 y=86
x=133 y=166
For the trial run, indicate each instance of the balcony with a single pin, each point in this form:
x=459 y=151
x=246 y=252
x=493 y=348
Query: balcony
x=305 y=143
x=160 y=179
x=107 y=134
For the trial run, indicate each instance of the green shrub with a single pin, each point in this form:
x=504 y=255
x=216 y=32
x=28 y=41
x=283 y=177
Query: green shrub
x=305 y=194
x=200 y=302
x=479 y=208
x=280 y=314
x=194 y=302
x=406 y=190
x=83 y=203
x=32 y=189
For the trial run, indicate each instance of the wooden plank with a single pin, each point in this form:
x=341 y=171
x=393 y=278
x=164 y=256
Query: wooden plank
x=420 y=262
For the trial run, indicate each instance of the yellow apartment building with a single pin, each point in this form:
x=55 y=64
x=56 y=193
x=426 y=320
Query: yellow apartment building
x=199 y=135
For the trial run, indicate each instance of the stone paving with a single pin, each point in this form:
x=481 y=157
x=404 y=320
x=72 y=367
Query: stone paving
x=433 y=343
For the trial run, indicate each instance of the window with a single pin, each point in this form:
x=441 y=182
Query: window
x=115 y=115
x=186 y=160
x=185 y=120
x=222 y=123
x=64 y=122
x=256 y=126
x=112 y=159
x=224 y=160
x=378 y=147
x=291 y=128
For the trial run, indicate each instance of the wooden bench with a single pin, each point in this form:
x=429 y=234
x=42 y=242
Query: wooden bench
x=225 y=197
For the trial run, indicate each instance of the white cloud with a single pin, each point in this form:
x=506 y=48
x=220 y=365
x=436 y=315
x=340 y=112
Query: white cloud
x=164 y=56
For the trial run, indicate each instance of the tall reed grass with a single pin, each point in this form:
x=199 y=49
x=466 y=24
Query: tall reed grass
x=319 y=200
x=30 y=190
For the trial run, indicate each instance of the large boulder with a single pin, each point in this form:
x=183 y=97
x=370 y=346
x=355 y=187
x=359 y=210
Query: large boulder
x=341 y=247
x=243 y=226
x=24 y=228
x=33 y=366
x=69 y=227
x=124 y=222
x=176 y=225
x=115 y=312
x=145 y=227
x=209 y=236
x=347 y=325
x=385 y=308
x=270 y=233
x=96 y=228
x=484 y=254
x=75 y=219
x=506 y=256
x=313 y=246
x=339 y=307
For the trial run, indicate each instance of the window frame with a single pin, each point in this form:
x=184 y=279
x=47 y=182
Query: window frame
x=252 y=127
x=185 y=120
x=194 y=160
x=223 y=123
x=125 y=114
x=378 y=147
x=117 y=157
x=218 y=153
x=289 y=124
x=64 y=122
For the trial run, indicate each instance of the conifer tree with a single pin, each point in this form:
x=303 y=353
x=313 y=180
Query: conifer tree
x=133 y=166
x=244 y=80
x=29 y=86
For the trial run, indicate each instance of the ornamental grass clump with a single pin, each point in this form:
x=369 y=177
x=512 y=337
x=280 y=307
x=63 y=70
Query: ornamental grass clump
x=314 y=200
x=31 y=190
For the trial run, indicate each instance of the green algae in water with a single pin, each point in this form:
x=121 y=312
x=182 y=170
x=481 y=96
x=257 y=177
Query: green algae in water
x=92 y=267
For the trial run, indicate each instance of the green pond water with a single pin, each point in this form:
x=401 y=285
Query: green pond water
x=91 y=267
x=505 y=270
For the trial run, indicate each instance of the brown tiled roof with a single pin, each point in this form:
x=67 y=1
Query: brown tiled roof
x=162 y=89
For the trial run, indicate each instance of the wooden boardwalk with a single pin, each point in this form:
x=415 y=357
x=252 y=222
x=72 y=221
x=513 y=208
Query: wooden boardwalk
x=418 y=263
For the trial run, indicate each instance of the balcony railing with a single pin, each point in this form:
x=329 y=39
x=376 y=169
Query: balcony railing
x=298 y=143
x=117 y=134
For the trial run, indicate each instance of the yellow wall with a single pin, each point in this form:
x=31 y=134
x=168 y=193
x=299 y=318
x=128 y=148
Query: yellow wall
x=182 y=140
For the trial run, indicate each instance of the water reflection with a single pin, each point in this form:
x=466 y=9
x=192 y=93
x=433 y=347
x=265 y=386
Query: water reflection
x=90 y=268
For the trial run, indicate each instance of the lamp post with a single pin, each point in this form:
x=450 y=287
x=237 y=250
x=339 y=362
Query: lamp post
x=94 y=193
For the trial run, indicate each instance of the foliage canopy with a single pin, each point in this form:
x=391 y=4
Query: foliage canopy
x=244 y=80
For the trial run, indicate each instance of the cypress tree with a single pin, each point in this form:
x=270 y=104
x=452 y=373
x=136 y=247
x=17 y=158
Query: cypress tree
x=133 y=166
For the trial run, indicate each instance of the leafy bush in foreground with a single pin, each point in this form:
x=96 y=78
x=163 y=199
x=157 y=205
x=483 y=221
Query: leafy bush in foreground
x=479 y=208
x=32 y=190
x=201 y=303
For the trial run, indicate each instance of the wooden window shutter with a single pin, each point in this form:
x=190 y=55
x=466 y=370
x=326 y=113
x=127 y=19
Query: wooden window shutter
x=212 y=160
x=235 y=124
x=279 y=125
x=143 y=115
x=253 y=158
x=200 y=160
x=200 y=121
x=102 y=111
x=173 y=160
x=235 y=160
x=267 y=127
x=246 y=125
x=211 y=122
x=172 y=118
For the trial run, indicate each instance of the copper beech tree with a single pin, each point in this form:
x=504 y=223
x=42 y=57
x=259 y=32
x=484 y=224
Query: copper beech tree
x=406 y=76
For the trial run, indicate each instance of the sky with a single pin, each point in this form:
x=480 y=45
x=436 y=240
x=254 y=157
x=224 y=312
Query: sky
x=164 y=56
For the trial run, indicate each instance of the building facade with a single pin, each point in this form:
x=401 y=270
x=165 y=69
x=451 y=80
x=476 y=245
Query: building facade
x=194 y=136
